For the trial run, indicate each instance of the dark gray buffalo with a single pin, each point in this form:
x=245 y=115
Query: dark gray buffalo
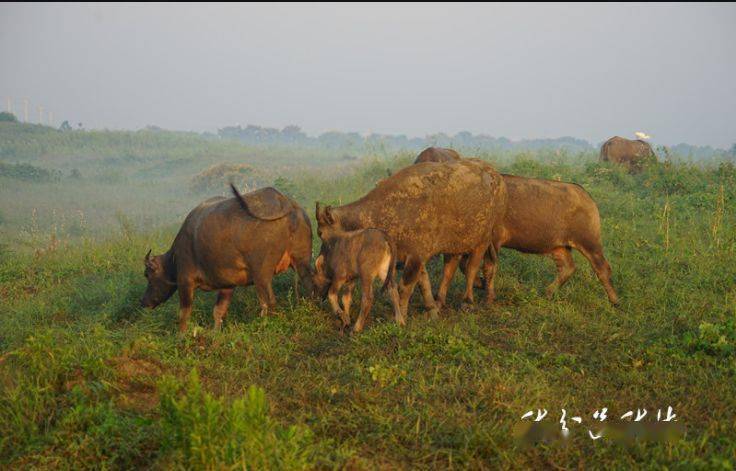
x=229 y=242
x=633 y=154
x=437 y=154
x=428 y=209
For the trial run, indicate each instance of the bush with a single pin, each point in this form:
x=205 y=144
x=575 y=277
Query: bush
x=7 y=117
x=204 y=432
x=669 y=179
x=27 y=172
x=216 y=178
x=713 y=339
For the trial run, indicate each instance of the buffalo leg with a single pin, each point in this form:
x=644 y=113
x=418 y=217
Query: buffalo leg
x=366 y=302
x=565 y=268
x=332 y=296
x=347 y=299
x=602 y=269
x=304 y=272
x=223 y=302
x=264 y=290
x=479 y=283
x=426 y=286
x=448 y=272
x=186 y=298
x=473 y=265
x=409 y=278
x=393 y=294
x=490 y=266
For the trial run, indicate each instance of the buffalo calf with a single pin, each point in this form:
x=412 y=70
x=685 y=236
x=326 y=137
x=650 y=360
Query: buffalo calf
x=345 y=257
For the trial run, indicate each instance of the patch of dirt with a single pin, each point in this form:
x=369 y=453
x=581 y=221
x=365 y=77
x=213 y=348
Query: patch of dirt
x=136 y=380
x=75 y=379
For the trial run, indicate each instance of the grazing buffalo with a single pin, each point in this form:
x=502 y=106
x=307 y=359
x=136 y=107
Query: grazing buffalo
x=546 y=217
x=552 y=218
x=365 y=254
x=631 y=154
x=427 y=209
x=229 y=242
x=437 y=154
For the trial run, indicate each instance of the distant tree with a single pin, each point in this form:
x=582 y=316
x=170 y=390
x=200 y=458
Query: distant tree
x=8 y=117
x=65 y=126
x=293 y=134
x=733 y=150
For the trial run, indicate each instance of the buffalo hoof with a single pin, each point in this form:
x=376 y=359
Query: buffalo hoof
x=434 y=313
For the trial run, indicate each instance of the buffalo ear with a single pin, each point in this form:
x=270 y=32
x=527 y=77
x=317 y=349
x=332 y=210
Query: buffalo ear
x=319 y=263
x=150 y=261
x=328 y=215
x=320 y=213
x=324 y=215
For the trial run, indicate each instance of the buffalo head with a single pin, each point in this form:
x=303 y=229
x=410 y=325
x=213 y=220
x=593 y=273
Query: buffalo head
x=160 y=283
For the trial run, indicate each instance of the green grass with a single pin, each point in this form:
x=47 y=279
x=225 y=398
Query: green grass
x=88 y=379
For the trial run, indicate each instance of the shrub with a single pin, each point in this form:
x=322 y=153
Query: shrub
x=204 y=432
x=8 y=117
x=669 y=179
x=216 y=178
x=713 y=339
x=27 y=172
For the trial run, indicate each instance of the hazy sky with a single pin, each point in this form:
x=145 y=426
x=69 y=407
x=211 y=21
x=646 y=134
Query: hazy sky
x=589 y=71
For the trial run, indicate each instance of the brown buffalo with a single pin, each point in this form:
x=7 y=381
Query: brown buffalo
x=631 y=154
x=365 y=254
x=548 y=217
x=552 y=218
x=229 y=242
x=437 y=154
x=545 y=217
x=428 y=209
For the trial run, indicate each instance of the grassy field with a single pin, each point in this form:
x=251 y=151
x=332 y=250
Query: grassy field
x=88 y=379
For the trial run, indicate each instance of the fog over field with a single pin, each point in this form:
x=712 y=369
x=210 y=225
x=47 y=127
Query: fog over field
x=615 y=291
x=519 y=71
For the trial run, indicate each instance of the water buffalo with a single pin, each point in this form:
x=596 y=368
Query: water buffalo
x=545 y=217
x=229 y=242
x=365 y=254
x=552 y=218
x=632 y=154
x=437 y=154
x=427 y=209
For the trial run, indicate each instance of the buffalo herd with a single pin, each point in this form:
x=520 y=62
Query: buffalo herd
x=444 y=205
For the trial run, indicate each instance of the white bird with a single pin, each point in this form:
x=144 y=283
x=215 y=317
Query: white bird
x=642 y=135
